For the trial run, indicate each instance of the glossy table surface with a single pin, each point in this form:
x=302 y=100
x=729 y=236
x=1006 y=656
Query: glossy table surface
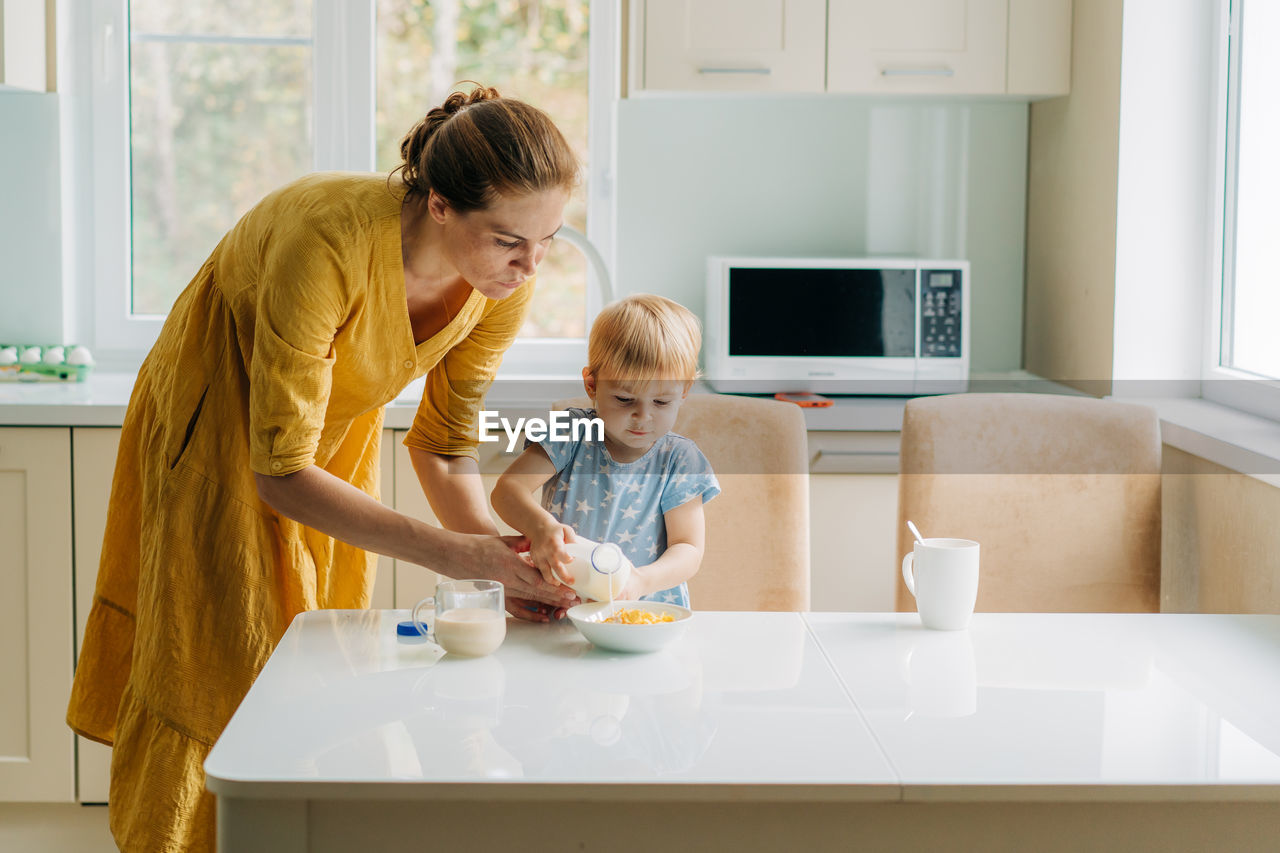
x=827 y=705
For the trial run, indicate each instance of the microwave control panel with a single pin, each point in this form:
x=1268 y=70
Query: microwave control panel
x=940 y=310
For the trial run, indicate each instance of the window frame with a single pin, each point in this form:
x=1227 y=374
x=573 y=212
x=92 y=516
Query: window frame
x=345 y=82
x=1221 y=384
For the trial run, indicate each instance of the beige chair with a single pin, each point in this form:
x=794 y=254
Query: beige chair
x=1062 y=493
x=757 y=551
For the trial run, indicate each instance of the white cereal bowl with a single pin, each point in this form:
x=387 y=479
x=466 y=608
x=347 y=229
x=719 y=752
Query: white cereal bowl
x=588 y=619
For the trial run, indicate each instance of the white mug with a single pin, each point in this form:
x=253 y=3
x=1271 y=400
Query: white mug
x=942 y=574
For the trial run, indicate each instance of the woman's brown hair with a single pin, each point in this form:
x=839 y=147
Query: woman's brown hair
x=479 y=145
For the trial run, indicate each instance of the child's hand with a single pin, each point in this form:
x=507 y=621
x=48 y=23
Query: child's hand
x=634 y=587
x=547 y=551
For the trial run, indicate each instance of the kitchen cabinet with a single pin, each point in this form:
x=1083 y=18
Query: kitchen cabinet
x=939 y=47
x=37 y=759
x=1018 y=48
x=915 y=46
x=853 y=516
x=93 y=455
x=26 y=44
x=733 y=45
x=853 y=520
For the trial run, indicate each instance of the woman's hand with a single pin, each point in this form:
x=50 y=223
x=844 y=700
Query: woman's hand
x=496 y=558
x=534 y=611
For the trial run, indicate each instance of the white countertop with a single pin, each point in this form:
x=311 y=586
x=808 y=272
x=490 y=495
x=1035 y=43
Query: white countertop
x=1095 y=707
x=102 y=398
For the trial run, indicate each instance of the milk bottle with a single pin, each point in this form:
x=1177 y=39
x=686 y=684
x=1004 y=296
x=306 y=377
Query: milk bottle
x=600 y=570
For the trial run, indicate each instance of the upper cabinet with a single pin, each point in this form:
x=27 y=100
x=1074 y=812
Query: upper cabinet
x=26 y=44
x=1018 y=48
x=734 y=45
x=917 y=46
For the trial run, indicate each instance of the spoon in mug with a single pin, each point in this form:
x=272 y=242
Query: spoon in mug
x=915 y=532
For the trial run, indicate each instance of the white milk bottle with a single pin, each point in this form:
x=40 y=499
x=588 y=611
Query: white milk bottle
x=600 y=569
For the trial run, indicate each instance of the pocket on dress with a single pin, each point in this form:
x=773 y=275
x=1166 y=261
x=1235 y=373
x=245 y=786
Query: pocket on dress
x=190 y=430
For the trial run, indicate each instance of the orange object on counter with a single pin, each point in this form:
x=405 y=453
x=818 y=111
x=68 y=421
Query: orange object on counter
x=808 y=401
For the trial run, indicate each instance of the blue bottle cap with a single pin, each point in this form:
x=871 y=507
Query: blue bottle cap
x=408 y=629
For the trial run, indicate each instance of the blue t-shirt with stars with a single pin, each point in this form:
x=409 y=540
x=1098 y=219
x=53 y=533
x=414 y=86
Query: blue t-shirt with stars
x=624 y=502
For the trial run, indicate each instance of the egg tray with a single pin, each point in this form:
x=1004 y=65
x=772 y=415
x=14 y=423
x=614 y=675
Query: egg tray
x=41 y=371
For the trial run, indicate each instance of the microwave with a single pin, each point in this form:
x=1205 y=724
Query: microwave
x=867 y=326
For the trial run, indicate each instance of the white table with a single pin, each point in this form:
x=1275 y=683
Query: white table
x=764 y=731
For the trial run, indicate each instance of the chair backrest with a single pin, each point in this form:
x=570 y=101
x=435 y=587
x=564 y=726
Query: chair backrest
x=1062 y=493
x=757 y=545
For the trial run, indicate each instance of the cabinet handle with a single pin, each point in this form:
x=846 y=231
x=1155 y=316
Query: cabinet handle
x=855 y=461
x=852 y=453
x=735 y=71
x=917 y=72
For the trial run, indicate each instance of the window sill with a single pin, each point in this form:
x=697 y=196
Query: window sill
x=1228 y=437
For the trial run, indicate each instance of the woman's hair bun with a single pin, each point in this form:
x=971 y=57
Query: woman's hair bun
x=458 y=101
x=469 y=156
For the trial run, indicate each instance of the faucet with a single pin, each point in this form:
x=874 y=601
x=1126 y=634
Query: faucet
x=577 y=238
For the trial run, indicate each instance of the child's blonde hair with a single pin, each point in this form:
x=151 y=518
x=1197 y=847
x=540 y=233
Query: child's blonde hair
x=645 y=337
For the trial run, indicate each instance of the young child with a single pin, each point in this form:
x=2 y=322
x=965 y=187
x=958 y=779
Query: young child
x=643 y=486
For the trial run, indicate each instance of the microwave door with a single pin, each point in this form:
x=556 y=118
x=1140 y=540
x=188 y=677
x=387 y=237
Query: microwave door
x=831 y=330
x=822 y=313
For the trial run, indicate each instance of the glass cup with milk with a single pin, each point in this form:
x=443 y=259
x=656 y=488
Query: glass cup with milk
x=470 y=617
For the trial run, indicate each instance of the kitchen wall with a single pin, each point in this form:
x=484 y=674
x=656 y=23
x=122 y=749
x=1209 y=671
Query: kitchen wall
x=1072 y=169
x=1118 y=209
x=827 y=176
x=31 y=299
x=1120 y=199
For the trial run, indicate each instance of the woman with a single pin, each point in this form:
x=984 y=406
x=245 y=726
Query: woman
x=246 y=482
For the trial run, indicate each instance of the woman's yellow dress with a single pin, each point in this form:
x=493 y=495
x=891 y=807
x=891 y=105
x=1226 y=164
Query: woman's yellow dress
x=281 y=353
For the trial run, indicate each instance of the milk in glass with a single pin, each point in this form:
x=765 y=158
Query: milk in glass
x=473 y=631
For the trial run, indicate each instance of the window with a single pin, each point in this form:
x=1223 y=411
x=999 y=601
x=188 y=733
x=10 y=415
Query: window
x=204 y=107
x=1247 y=347
x=220 y=107
x=535 y=50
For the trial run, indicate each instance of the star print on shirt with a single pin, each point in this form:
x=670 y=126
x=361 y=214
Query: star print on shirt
x=624 y=503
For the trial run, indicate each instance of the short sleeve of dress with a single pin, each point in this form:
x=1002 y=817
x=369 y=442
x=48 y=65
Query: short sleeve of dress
x=560 y=452
x=689 y=475
x=301 y=302
x=447 y=420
